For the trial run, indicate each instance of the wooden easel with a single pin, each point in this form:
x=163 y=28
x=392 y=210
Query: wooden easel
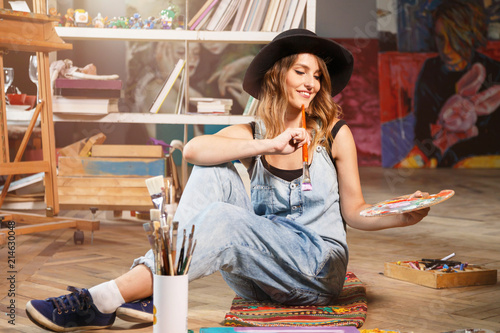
x=33 y=32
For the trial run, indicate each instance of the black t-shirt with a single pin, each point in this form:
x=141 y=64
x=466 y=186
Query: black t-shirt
x=290 y=175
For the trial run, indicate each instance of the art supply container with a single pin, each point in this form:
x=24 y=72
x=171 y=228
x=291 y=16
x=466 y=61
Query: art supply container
x=171 y=208
x=170 y=300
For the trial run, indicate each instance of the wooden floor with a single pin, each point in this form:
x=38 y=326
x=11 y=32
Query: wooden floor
x=468 y=224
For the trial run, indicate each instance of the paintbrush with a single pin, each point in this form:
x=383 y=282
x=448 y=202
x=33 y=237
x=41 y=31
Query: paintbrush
x=181 y=255
x=155 y=215
x=162 y=249
x=169 y=265
x=156 y=188
x=175 y=228
x=190 y=256
x=150 y=233
x=158 y=233
x=168 y=190
x=188 y=251
x=306 y=178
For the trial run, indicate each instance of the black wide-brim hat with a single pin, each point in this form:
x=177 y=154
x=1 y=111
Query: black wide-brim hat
x=338 y=59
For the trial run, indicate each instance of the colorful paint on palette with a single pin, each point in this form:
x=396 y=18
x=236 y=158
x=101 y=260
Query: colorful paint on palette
x=406 y=204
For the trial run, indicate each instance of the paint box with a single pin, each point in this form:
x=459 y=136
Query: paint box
x=106 y=167
x=107 y=183
x=106 y=193
x=135 y=151
x=471 y=276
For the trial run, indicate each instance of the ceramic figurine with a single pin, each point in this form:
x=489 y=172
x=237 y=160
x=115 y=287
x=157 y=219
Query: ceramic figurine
x=149 y=23
x=179 y=22
x=53 y=12
x=119 y=22
x=81 y=18
x=135 y=21
x=167 y=17
x=99 y=21
x=69 y=18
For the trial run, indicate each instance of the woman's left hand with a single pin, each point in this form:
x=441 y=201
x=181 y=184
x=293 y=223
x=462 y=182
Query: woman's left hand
x=415 y=216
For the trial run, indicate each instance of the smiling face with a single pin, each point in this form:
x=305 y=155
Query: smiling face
x=303 y=81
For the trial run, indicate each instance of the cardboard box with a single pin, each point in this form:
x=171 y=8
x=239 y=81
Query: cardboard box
x=471 y=276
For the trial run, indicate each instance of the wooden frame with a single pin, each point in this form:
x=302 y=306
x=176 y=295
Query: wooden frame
x=33 y=32
x=41 y=38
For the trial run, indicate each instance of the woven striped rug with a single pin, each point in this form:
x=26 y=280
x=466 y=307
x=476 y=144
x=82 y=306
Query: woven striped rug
x=349 y=310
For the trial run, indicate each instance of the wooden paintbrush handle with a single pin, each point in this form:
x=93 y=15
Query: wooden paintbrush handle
x=304 y=147
x=304 y=153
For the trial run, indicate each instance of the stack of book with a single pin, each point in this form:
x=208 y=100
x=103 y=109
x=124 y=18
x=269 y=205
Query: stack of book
x=213 y=105
x=249 y=15
x=85 y=96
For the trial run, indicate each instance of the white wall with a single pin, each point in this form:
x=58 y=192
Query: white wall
x=346 y=18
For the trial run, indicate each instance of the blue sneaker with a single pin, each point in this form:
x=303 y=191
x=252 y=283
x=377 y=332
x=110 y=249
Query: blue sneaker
x=140 y=311
x=72 y=312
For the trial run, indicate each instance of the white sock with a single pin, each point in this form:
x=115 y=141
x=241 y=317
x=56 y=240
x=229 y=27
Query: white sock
x=107 y=297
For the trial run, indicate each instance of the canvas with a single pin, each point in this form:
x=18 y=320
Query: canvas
x=436 y=111
x=360 y=100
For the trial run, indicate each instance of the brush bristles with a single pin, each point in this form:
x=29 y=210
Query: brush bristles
x=156 y=226
x=155 y=214
x=155 y=185
x=307 y=187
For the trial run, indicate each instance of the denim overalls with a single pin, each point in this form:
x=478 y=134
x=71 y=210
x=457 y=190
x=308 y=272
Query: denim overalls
x=284 y=245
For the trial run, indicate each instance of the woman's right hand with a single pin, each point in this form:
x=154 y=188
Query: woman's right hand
x=290 y=140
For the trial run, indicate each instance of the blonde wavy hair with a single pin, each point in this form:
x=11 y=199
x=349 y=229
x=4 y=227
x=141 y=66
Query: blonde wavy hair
x=320 y=115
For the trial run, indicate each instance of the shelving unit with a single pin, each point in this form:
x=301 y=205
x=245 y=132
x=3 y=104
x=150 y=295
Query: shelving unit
x=187 y=36
x=156 y=35
x=165 y=35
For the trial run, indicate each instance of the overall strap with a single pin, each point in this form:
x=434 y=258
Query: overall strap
x=337 y=127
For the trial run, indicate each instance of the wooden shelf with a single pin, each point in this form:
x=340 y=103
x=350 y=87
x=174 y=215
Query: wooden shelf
x=252 y=37
x=75 y=33
x=159 y=118
x=41 y=37
x=25 y=16
x=23 y=118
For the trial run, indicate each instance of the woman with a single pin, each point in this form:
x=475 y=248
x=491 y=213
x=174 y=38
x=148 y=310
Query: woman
x=284 y=245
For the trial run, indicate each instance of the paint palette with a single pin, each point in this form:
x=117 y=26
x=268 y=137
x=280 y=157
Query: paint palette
x=406 y=204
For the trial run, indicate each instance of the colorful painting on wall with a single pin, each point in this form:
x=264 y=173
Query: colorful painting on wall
x=360 y=100
x=440 y=87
